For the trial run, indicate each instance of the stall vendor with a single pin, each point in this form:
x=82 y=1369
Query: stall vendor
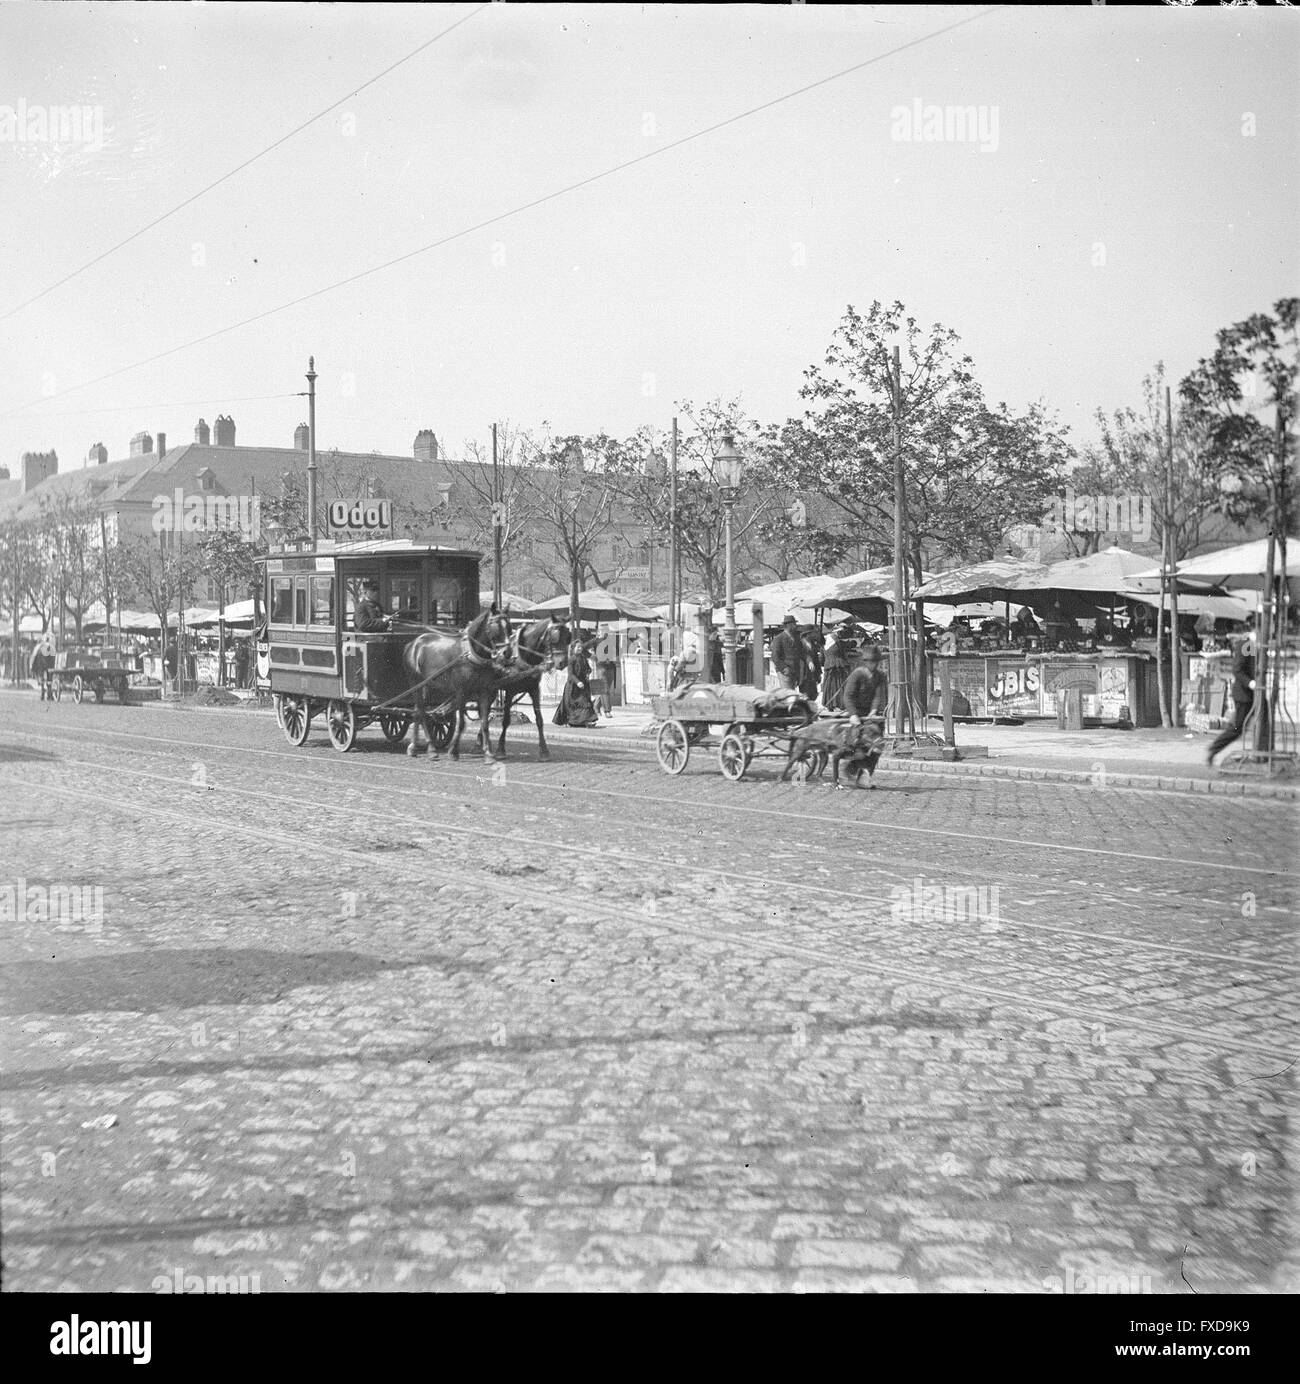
x=1024 y=626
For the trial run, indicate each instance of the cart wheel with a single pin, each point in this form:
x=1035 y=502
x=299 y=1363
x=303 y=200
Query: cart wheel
x=56 y=687
x=672 y=747
x=296 y=719
x=394 y=728
x=732 y=757
x=78 y=689
x=341 y=722
x=443 y=730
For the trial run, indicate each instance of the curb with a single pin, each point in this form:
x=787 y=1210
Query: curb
x=1232 y=788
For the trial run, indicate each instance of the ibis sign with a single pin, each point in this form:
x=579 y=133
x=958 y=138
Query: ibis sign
x=359 y=516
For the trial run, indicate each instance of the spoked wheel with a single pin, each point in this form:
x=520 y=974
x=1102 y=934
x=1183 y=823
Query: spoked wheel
x=341 y=722
x=56 y=687
x=672 y=747
x=732 y=757
x=443 y=730
x=78 y=689
x=394 y=728
x=295 y=719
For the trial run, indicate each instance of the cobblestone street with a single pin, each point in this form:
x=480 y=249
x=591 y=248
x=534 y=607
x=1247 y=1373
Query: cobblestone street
x=362 y=1021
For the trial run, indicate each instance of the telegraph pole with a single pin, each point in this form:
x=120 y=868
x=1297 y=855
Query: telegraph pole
x=897 y=660
x=311 y=449
x=674 y=555
x=497 y=518
x=1176 y=647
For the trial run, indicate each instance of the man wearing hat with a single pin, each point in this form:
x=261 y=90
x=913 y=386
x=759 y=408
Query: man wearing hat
x=866 y=689
x=42 y=663
x=788 y=654
x=370 y=614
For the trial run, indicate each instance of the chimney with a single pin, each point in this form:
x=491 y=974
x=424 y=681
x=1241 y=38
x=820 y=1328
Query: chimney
x=302 y=438
x=162 y=445
x=201 y=433
x=426 y=446
x=224 y=430
x=141 y=444
x=98 y=454
x=37 y=466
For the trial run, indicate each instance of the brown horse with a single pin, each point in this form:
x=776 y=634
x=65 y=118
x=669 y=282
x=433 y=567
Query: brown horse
x=538 y=648
x=452 y=670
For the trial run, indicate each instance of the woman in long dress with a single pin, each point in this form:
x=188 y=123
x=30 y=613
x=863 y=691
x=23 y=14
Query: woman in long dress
x=837 y=669
x=575 y=708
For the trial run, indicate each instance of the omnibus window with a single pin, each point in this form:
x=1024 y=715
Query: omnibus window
x=404 y=597
x=300 y=600
x=353 y=591
x=445 y=606
x=281 y=600
x=322 y=600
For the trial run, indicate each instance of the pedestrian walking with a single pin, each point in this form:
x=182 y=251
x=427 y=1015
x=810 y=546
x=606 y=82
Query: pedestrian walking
x=575 y=708
x=836 y=670
x=169 y=662
x=788 y=655
x=43 y=668
x=608 y=670
x=1243 y=698
x=241 y=663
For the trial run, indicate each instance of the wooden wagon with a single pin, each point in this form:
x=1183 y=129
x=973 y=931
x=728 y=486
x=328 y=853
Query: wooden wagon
x=757 y=725
x=99 y=670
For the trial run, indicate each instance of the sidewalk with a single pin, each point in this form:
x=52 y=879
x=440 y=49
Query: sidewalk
x=1159 y=758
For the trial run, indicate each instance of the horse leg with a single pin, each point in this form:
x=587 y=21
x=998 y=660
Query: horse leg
x=459 y=724
x=417 y=719
x=536 y=692
x=485 y=725
x=508 y=701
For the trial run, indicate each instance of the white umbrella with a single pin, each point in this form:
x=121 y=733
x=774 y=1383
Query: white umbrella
x=596 y=604
x=1244 y=566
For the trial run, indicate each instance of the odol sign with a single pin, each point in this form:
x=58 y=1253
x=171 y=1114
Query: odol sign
x=359 y=516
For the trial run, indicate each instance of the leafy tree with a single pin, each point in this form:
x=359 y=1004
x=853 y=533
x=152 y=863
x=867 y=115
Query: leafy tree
x=69 y=528
x=572 y=488
x=160 y=575
x=229 y=558
x=22 y=561
x=970 y=470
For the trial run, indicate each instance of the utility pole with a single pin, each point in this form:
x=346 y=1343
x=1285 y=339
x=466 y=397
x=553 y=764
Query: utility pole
x=674 y=555
x=1264 y=708
x=311 y=449
x=103 y=548
x=897 y=656
x=1175 y=642
x=497 y=520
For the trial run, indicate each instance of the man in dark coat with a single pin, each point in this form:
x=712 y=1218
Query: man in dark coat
x=42 y=663
x=866 y=689
x=788 y=655
x=370 y=614
x=1243 y=698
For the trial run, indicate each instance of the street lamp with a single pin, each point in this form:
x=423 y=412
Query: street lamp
x=730 y=470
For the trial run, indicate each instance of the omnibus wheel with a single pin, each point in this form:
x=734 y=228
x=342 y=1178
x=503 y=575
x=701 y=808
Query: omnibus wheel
x=78 y=689
x=394 y=727
x=341 y=722
x=443 y=730
x=296 y=721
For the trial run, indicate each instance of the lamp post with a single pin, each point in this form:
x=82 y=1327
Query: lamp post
x=731 y=466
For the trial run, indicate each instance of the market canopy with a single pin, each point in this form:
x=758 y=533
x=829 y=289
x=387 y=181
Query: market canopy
x=1217 y=607
x=998 y=580
x=596 y=604
x=510 y=603
x=1108 y=572
x=1243 y=565
x=236 y=613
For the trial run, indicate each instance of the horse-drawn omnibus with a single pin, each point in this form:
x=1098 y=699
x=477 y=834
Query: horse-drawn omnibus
x=320 y=663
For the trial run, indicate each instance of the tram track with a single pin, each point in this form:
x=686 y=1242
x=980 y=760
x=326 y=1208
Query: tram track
x=662 y=921
x=358 y=765
x=658 y=864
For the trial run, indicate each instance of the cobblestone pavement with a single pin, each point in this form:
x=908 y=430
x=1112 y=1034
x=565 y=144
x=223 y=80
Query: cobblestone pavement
x=370 y=1022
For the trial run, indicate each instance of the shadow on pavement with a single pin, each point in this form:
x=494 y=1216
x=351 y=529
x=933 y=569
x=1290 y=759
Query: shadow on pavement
x=147 y=982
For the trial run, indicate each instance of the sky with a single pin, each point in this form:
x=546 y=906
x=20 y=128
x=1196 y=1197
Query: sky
x=1132 y=188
